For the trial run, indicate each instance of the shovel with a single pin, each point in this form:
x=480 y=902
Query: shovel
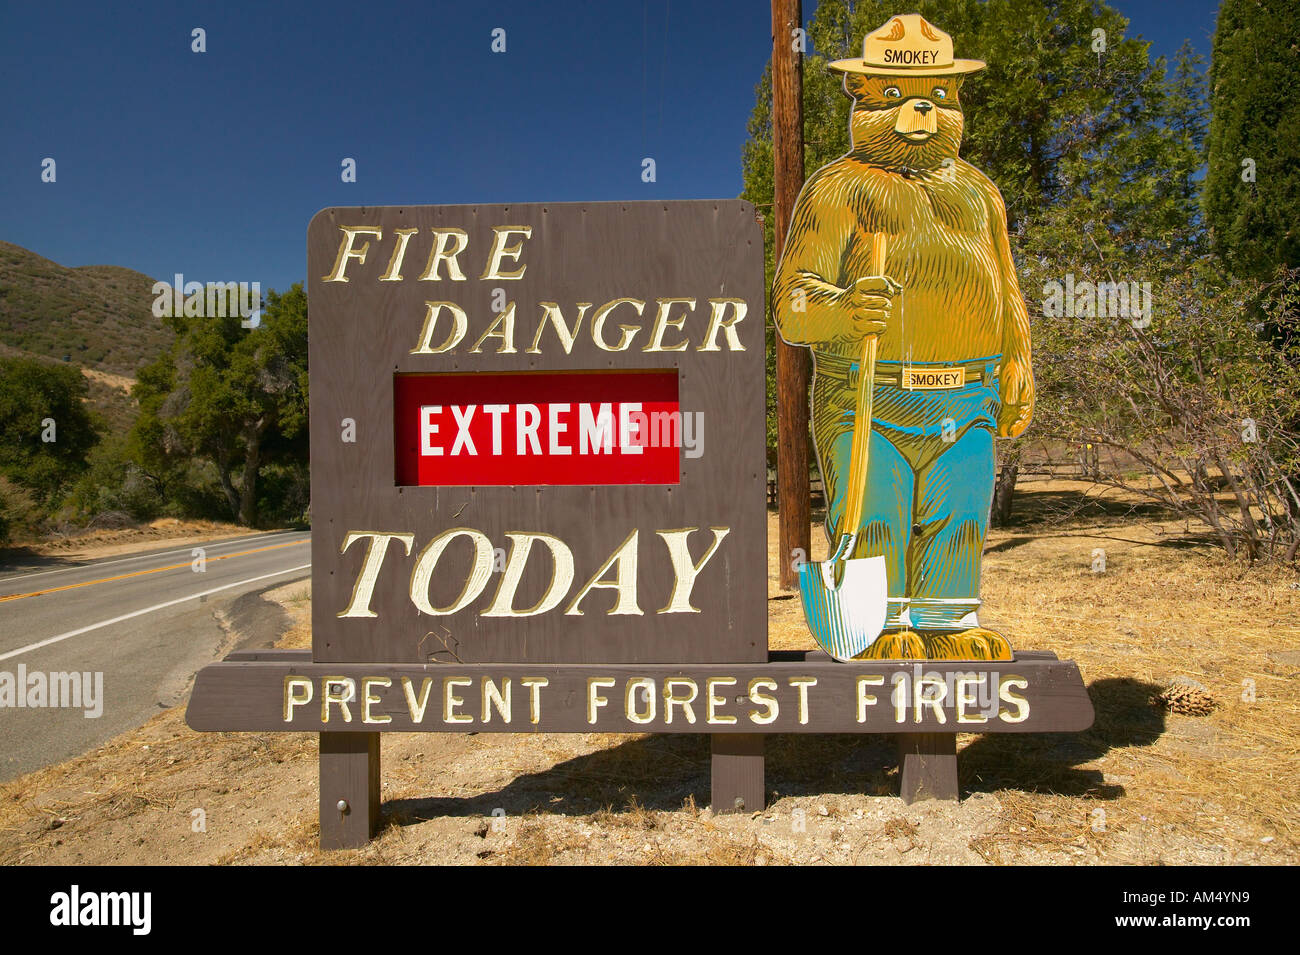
x=846 y=599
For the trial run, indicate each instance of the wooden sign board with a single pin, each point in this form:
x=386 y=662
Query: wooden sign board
x=794 y=692
x=537 y=433
x=538 y=505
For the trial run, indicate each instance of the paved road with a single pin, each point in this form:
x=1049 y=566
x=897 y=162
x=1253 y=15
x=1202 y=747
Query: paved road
x=146 y=622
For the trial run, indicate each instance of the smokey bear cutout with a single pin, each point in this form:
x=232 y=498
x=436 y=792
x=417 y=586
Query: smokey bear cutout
x=952 y=348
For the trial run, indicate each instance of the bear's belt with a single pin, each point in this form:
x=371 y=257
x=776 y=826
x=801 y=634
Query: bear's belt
x=929 y=377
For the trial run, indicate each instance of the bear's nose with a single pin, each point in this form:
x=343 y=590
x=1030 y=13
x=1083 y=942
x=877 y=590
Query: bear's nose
x=923 y=106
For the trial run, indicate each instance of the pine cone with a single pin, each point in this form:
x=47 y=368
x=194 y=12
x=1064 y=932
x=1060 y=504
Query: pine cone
x=1188 y=697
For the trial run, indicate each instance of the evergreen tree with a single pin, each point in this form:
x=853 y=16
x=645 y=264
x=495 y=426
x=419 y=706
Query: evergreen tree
x=1252 y=185
x=234 y=397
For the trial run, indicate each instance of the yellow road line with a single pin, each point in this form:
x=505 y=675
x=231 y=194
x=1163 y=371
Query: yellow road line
x=140 y=573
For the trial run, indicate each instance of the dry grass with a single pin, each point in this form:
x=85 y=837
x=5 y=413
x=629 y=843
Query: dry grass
x=1148 y=785
x=83 y=544
x=1143 y=785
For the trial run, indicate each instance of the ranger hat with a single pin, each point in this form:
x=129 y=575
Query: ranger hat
x=908 y=45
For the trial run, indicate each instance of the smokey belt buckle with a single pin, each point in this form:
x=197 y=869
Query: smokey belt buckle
x=908 y=377
x=933 y=379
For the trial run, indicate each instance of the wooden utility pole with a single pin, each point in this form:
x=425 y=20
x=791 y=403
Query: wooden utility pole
x=792 y=365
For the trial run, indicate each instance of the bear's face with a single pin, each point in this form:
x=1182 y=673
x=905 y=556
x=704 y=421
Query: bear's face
x=905 y=122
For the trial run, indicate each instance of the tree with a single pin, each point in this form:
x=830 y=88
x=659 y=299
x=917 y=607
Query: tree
x=1187 y=405
x=1192 y=412
x=1093 y=146
x=235 y=397
x=1039 y=118
x=1252 y=184
x=47 y=427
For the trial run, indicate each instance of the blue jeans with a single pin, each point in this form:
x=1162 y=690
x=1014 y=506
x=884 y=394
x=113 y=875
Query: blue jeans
x=929 y=490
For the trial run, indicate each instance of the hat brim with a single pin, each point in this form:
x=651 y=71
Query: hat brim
x=861 y=66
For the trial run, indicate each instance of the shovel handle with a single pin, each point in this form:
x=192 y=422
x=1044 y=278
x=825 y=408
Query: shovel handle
x=858 y=458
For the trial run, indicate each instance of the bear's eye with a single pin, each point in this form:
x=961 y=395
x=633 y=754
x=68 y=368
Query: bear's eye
x=892 y=92
x=939 y=93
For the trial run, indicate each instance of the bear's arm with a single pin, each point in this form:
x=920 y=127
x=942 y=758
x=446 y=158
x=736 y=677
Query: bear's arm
x=1016 y=380
x=807 y=305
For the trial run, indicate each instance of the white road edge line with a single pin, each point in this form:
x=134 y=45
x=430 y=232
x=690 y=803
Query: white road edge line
x=90 y=565
x=138 y=613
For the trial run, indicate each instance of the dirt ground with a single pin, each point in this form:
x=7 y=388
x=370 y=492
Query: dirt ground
x=1143 y=786
x=97 y=544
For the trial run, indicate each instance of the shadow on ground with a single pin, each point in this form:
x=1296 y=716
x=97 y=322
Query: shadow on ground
x=661 y=772
x=1011 y=543
x=1044 y=762
x=23 y=559
x=1033 y=506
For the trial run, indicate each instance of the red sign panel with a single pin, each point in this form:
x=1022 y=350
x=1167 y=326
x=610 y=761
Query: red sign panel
x=588 y=427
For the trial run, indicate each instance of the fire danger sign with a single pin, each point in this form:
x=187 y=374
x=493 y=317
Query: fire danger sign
x=538 y=434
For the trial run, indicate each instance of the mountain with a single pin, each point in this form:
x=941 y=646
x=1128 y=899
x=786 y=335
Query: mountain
x=99 y=317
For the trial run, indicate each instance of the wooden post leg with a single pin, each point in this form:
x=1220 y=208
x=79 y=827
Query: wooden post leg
x=927 y=765
x=349 y=775
x=738 y=778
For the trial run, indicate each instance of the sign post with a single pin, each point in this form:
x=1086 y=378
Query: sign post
x=793 y=367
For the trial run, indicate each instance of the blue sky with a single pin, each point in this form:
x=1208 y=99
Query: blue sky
x=212 y=164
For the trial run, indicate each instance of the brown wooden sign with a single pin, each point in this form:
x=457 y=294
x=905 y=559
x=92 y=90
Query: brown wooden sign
x=537 y=433
x=538 y=505
x=793 y=693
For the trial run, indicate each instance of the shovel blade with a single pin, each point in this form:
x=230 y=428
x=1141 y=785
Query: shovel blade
x=845 y=620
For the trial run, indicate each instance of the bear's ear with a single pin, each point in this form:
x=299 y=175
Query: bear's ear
x=857 y=85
